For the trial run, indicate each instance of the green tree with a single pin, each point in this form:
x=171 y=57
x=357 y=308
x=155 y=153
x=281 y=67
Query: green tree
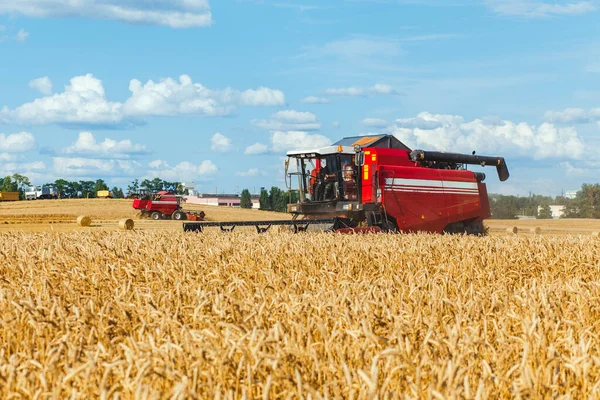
x=117 y=193
x=246 y=199
x=8 y=185
x=100 y=185
x=264 y=201
x=544 y=212
x=133 y=188
x=21 y=180
x=87 y=189
x=61 y=186
x=503 y=207
x=278 y=199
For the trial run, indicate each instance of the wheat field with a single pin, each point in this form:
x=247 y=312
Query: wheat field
x=154 y=314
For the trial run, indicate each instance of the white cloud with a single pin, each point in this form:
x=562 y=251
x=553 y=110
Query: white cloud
x=173 y=13
x=86 y=145
x=375 y=122
x=30 y=169
x=251 y=172
x=182 y=172
x=573 y=116
x=220 y=143
x=22 y=35
x=17 y=142
x=335 y=124
x=43 y=85
x=289 y=120
x=84 y=102
x=452 y=133
x=538 y=8
x=169 y=97
x=571 y=170
x=292 y=140
x=315 y=100
x=377 y=89
x=6 y=157
x=72 y=167
x=256 y=148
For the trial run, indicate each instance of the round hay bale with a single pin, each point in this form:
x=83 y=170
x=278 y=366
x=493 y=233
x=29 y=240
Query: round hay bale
x=84 y=220
x=596 y=234
x=126 y=224
x=537 y=230
x=513 y=231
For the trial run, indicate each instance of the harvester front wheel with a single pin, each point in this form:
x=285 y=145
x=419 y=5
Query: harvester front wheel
x=178 y=216
x=156 y=215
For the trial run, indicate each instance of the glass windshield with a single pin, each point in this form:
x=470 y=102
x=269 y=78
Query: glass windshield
x=327 y=178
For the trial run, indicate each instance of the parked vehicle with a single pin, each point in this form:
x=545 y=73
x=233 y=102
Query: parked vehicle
x=40 y=192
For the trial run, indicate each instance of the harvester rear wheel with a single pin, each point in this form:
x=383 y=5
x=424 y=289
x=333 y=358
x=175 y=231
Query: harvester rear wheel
x=156 y=215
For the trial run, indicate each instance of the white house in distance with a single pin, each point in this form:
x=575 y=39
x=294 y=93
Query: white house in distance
x=223 y=200
x=557 y=211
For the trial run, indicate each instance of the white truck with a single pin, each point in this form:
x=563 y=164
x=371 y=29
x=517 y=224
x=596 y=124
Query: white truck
x=40 y=192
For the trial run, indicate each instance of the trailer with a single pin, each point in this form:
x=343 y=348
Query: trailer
x=379 y=184
x=9 y=196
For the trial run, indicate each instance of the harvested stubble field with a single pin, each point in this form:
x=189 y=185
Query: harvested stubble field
x=150 y=314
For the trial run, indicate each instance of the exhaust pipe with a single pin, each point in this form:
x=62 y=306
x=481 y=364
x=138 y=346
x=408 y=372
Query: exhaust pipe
x=439 y=156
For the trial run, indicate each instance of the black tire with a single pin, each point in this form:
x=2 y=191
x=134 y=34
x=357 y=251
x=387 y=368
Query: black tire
x=178 y=216
x=156 y=215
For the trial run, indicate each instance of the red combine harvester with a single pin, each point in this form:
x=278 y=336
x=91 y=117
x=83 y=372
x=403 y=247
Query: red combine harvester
x=376 y=183
x=164 y=205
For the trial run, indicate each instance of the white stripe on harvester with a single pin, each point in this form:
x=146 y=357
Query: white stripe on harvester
x=431 y=183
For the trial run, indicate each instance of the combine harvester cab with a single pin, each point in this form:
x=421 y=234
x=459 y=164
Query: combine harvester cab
x=376 y=183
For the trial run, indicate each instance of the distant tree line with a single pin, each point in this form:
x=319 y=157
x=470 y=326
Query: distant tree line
x=586 y=204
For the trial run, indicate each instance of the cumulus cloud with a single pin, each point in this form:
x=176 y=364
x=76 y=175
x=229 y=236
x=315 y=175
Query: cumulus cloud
x=375 y=122
x=220 y=143
x=169 y=97
x=84 y=102
x=6 y=157
x=315 y=100
x=377 y=89
x=256 y=148
x=73 y=167
x=16 y=142
x=292 y=140
x=173 y=13
x=43 y=85
x=251 y=172
x=289 y=120
x=573 y=116
x=538 y=8
x=453 y=133
x=86 y=145
x=183 y=172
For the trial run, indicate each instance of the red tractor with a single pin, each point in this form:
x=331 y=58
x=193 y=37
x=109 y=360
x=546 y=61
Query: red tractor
x=377 y=183
x=160 y=205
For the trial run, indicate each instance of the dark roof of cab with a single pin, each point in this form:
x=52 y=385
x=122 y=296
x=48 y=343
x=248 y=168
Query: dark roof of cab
x=385 y=141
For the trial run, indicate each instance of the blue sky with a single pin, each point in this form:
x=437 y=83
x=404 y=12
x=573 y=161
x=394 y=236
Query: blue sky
x=216 y=92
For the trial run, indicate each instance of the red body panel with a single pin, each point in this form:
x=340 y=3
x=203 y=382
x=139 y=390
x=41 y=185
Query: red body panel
x=163 y=201
x=419 y=198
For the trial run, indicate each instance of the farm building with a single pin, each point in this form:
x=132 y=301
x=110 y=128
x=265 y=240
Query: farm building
x=557 y=211
x=223 y=200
